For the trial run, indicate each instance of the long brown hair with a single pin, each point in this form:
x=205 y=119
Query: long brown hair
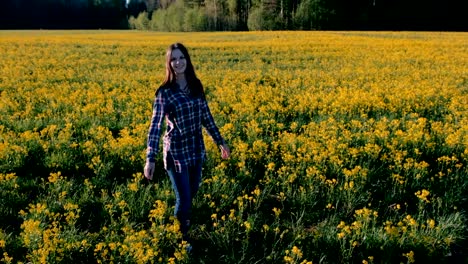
x=194 y=84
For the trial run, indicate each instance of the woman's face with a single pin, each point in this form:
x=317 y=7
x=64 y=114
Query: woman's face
x=178 y=62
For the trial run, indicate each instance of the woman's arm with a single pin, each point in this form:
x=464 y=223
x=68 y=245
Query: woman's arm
x=154 y=132
x=210 y=125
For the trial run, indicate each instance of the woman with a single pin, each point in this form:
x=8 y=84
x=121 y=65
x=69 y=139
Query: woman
x=181 y=101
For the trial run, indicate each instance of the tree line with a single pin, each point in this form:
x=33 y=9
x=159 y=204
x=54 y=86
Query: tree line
x=236 y=15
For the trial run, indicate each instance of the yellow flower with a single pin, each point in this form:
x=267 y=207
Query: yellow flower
x=232 y=214
x=409 y=256
x=8 y=177
x=296 y=251
x=6 y=259
x=257 y=191
x=276 y=211
x=88 y=183
x=159 y=210
x=341 y=225
x=247 y=225
x=31 y=231
x=271 y=166
x=431 y=223
x=423 y=194
x=54 y=177
x=112 y=246
x=122 y=204
x=341 y=235
x=133 y=187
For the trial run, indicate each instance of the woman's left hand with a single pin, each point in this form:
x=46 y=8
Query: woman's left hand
x=225 y=151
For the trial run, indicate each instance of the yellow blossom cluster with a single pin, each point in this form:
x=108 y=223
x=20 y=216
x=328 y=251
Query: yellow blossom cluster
x=295 y=255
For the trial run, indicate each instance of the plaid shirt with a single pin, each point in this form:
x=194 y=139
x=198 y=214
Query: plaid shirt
x=185 y=116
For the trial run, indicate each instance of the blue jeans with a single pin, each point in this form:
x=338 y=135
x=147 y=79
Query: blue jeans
x=185 y=182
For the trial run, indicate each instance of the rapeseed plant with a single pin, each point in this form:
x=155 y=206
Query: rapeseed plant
x=356 y=146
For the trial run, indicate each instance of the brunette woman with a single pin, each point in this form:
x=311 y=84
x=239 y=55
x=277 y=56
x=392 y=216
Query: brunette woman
x=181 y=102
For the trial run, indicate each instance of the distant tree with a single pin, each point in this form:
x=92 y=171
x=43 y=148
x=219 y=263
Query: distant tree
x=171 y=18
x=312 y=14
x=142 y=22
x=159 y=20
x=255 y=19
x=195 y=19
x=265 y=16
x=213 y=9
x=232 y=18
x=175 y=16
x=243 y=9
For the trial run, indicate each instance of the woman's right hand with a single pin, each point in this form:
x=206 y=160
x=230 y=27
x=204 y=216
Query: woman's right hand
x=225 y=151
x=149 y=170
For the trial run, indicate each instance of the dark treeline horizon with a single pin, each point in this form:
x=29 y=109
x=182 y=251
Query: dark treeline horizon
x=423 y=15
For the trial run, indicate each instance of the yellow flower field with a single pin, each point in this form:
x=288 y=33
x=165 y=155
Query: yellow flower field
x=347 y=147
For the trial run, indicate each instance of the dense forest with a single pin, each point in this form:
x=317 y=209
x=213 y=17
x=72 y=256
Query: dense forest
x=238 y=15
